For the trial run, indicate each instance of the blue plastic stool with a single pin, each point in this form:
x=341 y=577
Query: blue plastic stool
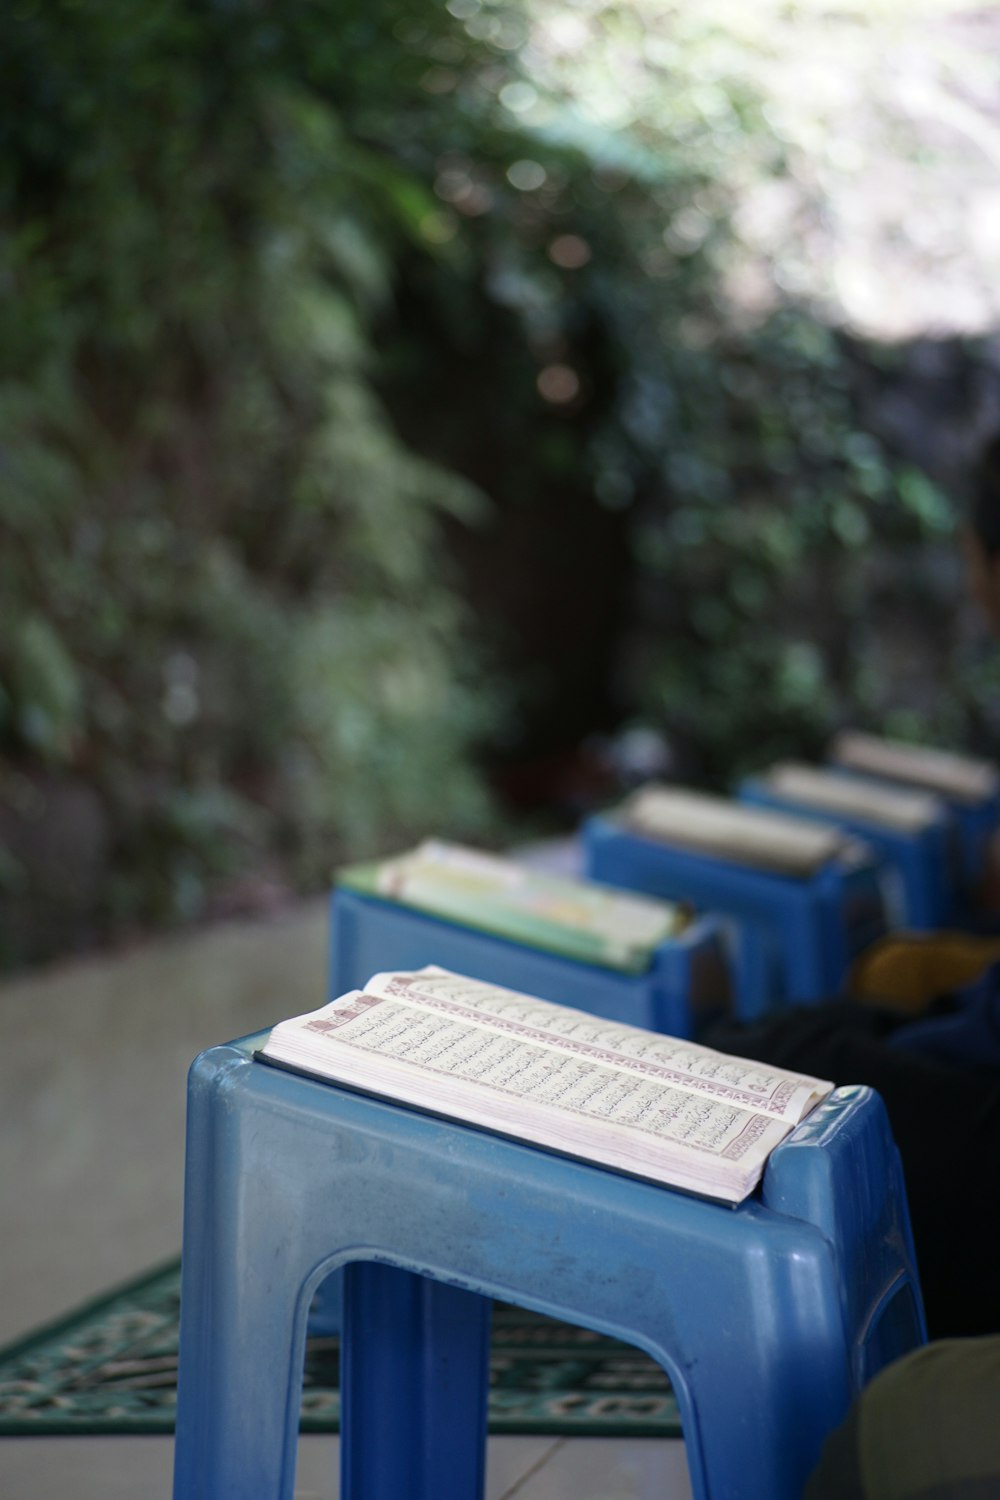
x=976 y=824
x=920 y=861
x=795 y=938
x=767 y=1318
x=686 y=983
x=976 y=818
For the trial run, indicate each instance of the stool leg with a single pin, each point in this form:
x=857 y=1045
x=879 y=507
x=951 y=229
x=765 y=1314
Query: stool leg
x=239 y=1386
x=753 y=1427
x=414 y=1379
x=243 y=1311
x=759 y=982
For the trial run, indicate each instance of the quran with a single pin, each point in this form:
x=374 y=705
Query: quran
x=961 y=777
x=778 y=842
x=618 y=1096
x=895 y=808
x=493 y=893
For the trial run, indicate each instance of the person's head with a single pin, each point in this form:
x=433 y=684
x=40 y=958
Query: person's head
x=982 y=538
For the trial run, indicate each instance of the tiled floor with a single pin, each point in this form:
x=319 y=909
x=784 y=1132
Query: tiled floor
x=92 y=1076
x=519 y=1468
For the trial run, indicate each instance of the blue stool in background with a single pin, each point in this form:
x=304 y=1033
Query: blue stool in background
x=685 y=985
x=909 y=829
x=796 y=936
x=767 y=1318
x=969 y=787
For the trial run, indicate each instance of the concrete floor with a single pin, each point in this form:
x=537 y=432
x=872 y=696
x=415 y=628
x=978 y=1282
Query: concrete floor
x=92 y=1078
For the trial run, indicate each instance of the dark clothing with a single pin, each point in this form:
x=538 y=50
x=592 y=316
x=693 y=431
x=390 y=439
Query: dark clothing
x=926 y=1428
x=945 y=1117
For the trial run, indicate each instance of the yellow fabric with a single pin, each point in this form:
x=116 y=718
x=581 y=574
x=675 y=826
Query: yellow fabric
x=906 y=970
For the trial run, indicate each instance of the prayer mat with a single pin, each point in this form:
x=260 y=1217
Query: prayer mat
x=111 y=1367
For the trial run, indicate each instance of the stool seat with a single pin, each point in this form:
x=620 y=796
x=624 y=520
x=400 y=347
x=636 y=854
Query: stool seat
x=968 y=785
x=767 y=1318
x=796 y=937
x=684 y=987
x=921 y=891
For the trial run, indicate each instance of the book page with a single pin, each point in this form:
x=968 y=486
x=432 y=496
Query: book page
x=477 y=1074
x=628 y=1049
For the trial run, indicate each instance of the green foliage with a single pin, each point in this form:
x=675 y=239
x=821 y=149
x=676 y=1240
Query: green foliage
x=291 y=291
x=782 y=539
x=209 y=529
x=590 y=231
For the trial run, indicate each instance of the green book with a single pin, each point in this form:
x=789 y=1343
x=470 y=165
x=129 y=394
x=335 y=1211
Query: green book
x=491 y=893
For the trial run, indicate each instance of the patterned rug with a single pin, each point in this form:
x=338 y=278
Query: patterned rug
x=111 y=1367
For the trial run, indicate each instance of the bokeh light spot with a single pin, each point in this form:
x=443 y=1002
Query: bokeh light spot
x=439 y=80
x=559 y=384
x=526 y=176
x=518 y=97
x=569 y=251
x=438 y=229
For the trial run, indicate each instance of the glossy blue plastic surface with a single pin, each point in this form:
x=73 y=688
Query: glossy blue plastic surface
x=921 y=860
x=975 y=822
x=795 y=939
x=368 y=935
x=767 y=1318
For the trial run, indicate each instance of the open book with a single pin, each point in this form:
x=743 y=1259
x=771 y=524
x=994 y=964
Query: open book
x=492 y=893
x=632 y=1100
